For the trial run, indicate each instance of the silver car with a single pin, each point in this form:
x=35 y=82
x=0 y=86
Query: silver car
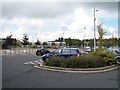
x=115 y=51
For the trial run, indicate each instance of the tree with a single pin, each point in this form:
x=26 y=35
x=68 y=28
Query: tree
x=69 y=41
x=44 y=43
x=19 y=43
x=25 y=39
x=38 y=42
x=101 y=34
x=9 y=42
x=53 y=44
x=59 y=39
x=113 y=41
x=118 y=42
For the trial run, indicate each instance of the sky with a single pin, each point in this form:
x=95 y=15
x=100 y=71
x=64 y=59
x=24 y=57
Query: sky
x=47 y=21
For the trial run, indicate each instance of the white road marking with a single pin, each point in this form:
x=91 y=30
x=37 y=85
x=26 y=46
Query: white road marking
x=34 y=62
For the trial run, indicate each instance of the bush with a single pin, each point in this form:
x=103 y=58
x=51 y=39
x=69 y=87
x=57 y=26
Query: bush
x=93 y=61
x=55 y=61
x=107 y=57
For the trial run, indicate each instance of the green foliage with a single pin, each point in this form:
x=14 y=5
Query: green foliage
x=38 y=42
x=44 y=43
x=103 y=42
x=108 y=57
x=25 y=39
x=9 y=42
x=32 y=46
x=55 y=61
x=101 y=34
x=94 y=61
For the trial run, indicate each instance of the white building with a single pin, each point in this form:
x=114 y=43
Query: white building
x=56 y=43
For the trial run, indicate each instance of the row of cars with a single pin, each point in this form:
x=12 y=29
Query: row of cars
x=70 y=52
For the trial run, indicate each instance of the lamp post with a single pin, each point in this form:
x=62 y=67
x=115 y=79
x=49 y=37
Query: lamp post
x=94 y=31
x=84 y=38
x=32 y=41
x=63 y=39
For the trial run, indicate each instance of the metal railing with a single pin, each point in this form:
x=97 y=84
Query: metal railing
x=17 y=51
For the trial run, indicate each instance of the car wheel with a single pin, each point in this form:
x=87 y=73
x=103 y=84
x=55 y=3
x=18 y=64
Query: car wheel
x=46 y=59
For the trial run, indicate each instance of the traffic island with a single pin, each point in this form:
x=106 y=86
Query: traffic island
x=78 y=70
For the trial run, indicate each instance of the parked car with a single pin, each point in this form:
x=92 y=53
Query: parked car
x=116 y=52
x=63 y=52
x=87 y=49
x=42 y=51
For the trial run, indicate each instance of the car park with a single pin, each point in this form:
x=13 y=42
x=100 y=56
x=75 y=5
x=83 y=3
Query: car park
x=63 y=52
x=42 y=51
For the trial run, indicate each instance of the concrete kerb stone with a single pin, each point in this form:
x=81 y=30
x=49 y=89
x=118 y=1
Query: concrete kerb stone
x=78 y=70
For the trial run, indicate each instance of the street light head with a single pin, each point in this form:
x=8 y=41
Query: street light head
x=96 y=10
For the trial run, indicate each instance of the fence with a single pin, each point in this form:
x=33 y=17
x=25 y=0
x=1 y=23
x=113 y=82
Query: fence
x=17 y=51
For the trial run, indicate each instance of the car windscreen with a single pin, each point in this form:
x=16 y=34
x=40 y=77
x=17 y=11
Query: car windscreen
x=70 y=51
x=74 y=51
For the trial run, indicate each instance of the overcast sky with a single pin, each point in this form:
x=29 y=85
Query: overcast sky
x=47 y=21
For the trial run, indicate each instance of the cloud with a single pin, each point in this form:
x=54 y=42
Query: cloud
x=32 y=10
x=19 y=26
x=47 y=21
x=51 y=9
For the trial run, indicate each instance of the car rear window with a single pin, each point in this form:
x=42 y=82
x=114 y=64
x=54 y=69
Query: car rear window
x=66 y=51
x=73 y=51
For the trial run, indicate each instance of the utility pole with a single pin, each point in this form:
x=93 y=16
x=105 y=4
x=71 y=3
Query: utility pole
x=84 y=38
x=94 y=31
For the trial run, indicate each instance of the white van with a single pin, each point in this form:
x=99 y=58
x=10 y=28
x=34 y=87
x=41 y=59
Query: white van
x=87 y=49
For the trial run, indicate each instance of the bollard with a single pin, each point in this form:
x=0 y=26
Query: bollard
x=5 y=52
x=10 y=51
x=15 y=51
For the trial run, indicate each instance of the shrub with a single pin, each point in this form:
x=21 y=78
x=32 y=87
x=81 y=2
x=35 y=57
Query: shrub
x=107 y=57
x=55 y=61
x=73 y=62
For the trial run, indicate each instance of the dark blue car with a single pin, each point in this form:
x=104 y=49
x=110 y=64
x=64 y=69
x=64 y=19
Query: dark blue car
x=63 y=52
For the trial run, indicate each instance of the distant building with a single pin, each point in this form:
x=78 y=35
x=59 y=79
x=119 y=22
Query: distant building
x=56 y=43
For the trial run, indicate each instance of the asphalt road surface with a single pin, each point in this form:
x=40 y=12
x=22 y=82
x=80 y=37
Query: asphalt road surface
x=17 y=75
